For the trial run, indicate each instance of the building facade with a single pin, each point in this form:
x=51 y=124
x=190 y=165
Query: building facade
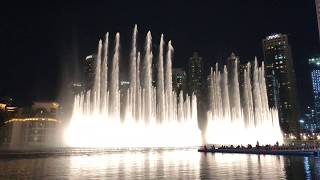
x=195 y=74
x=281 y=80
x=309 y=121
x=314 y=65
x=89 y=71
x=32 y=128
x=25 y=133
x=7 y=109
x=179 y=79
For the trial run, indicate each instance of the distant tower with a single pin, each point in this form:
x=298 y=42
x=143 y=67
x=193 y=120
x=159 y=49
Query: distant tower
x=89 y=71
x=179 y=79
x=314 y=64
x=281 y=80
x=195 y=74
x=318 y=14
x=231 y=60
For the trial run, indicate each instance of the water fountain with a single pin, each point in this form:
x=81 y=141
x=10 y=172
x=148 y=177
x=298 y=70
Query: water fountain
x=240 y=114
x=151 y=115
x=154 y=116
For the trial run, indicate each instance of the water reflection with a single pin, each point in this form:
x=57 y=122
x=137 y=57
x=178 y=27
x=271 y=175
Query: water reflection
x=138 y=165
x=161 y=164
x=307 y=167
x=36 y=168
x=316 y=167
x=233 y=166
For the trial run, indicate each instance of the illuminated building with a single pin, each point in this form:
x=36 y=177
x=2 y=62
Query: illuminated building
x=314 y=64
x=231 y=60
x=89 y=71
x=309 y=121
x=241 y=73
x=281 y=80
x=195 y=74
x=179 y=79
x=77 y=88
x=7 y=109
x=20 y=133
x=34 y=127
x=273 y=87
x=124 y=85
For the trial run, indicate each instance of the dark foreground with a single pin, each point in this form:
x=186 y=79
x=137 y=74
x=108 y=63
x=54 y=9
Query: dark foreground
x=157 y=164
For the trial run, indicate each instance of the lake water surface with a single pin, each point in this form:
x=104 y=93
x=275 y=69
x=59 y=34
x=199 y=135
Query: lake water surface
x=161 y=164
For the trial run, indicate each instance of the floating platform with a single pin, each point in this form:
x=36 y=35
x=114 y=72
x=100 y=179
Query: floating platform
x=284 y=152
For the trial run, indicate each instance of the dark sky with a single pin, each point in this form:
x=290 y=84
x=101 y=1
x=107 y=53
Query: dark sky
x=42 y=41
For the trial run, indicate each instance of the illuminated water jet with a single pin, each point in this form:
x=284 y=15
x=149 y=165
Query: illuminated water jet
x=241 y=114
x=153 y=116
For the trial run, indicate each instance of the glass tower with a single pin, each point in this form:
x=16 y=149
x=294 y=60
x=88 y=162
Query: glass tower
x=179 y=78
x=195 y=74
x=281 y=80
x=89 y=71
x=314 y=64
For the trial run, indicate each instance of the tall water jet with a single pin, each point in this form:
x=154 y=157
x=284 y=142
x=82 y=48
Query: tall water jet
x=160 y=83
x=97 y=83
x=168 y=83
x=104 y=91
x=147 y=74
x=133 y=74
x=114 y=89
x=232 y=123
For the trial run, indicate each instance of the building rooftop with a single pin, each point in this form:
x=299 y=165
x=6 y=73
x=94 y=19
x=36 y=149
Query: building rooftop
x=314 y=61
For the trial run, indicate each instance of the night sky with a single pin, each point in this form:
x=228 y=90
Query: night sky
x=43 y=43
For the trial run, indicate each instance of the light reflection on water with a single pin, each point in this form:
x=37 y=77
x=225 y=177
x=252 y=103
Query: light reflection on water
x=161 y=164
x=234 y=166
x=138 y=165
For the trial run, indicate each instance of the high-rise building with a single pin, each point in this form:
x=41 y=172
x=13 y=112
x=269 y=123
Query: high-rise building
x=273 y=87
x=231 y=61
x=179 y=79
x=89 y=71
x=318 y=14
x=242 y=68
x=195 y=74
x=308 y=121
x=77 y=88
x=281 y=80
x=314 y=64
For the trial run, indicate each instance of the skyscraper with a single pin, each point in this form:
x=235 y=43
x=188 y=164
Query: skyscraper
x=273 y=87
x=309 y=120
x=89 y=71
x=281 y=80
x=179 y=79
x=231 y=60
x=318 y=14
x=314 y=64
x=195 y=74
